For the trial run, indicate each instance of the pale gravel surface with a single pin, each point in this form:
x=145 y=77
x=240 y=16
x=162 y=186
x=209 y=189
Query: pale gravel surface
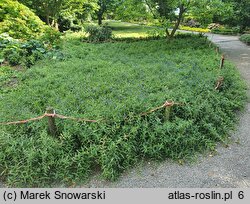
x=229 y=168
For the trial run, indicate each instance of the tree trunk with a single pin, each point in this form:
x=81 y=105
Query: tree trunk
x=99 y=16
x=177 y=23
x=167 y=32
x=47 y=19
x=54 y=24
x=99 y=20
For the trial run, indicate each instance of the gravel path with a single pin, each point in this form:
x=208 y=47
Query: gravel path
x=229 y=168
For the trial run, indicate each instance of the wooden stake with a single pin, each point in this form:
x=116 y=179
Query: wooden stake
x=51 y=122
x=217 y=51
x=222 y=61
x=219 y=83
x=167 y=113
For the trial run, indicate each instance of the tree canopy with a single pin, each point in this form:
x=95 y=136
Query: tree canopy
x=18 y=20
x=172 y=12
x=65 y=14
x=240 y=15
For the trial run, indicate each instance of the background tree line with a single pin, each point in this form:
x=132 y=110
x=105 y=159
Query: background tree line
x=70 y=14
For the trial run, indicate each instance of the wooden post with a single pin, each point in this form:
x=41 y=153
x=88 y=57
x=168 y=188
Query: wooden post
x=222 y=61
x=167 y=113
x=51 y=122
x=217 y=51
x=219 y=83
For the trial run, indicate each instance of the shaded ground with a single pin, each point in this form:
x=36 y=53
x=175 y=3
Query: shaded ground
x=229 y=168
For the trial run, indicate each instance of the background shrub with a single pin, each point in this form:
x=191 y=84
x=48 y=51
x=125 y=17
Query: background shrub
x=193 y=29
x=69 y=22
x=191 y=23
x=245 y=38
x=157 y=33
x=19 y=21
x=226 y=30
x=213 y=26
x=51 y=37
x=98 y=33
x=26 y=53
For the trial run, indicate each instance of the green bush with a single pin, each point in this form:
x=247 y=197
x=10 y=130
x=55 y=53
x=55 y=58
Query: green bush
x=6 y=40
x=226 y=31
x=212 y=26
x=51 y=37
x=24 y=53
x=245 y=38
x=69 y=22
x=19 y=21
x=13 y=54
x=201 y=30
x=157 y=33
x=98 y=33
x=10 y=49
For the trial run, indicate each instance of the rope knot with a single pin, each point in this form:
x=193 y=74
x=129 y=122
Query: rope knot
x=50 y=114
x=168 y=103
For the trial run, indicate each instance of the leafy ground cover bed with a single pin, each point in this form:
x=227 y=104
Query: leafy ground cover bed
x=115 y=82
x=245 y=38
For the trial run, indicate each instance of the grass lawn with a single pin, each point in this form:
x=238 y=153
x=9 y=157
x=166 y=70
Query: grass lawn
x=129 y=30
x=116 y=82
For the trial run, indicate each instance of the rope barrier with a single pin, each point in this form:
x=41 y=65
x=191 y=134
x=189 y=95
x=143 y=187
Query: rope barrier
x=77 y=119
x=24 y=121
x=54 y=115
x=166 y=104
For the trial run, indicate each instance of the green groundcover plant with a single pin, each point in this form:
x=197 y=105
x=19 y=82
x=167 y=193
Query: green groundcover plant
x=245 y=38
x=116 y=82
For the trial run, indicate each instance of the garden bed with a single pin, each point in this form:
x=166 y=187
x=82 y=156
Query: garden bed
x=116 y=83
x=245 y=38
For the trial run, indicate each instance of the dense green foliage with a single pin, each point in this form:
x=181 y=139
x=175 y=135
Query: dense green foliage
x=171 y=13
x=23 y=53
x=63 y=14
x=19 y=21
x=47 y=9
x=26 y=53
x=72 y=14
x=245 y=38
x=226 y=31
x=206 y=12
x=201 y=30
x=241 y=14
x=115 y=82
x=98 y=33
x=133 y=11
x=105 y=6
